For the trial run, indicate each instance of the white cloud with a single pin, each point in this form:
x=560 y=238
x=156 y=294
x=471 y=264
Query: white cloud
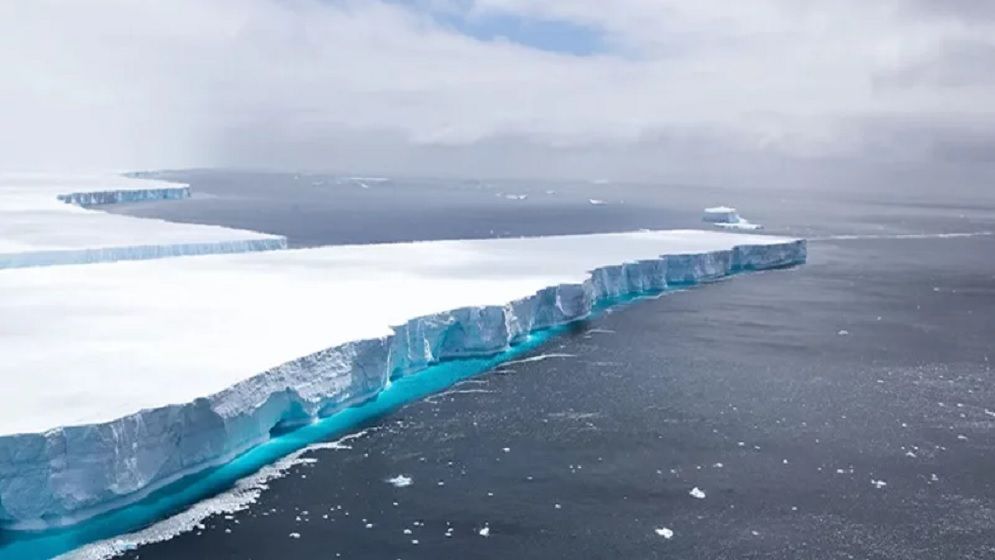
x=145 y=83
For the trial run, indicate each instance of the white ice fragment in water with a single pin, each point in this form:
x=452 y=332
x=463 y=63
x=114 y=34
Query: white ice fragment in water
x=934 y=478
x=718 y=465
x=294 y=535
x=400 y=481
x=879 y=484
x=697 y=493
x=843 y=332
x=506 y=449
x=664 y=532
x=485 y=532
x=596 y=202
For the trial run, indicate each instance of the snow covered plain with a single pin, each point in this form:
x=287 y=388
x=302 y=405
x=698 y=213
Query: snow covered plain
x=124 y=376
x=43 y=221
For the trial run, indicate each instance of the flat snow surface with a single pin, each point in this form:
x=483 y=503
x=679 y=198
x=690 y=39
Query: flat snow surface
x=33 y=219
x=84 y=344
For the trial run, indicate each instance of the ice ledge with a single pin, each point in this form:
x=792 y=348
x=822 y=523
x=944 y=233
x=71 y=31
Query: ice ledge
x=68 y=474
x=46 y=220
x=95 y=198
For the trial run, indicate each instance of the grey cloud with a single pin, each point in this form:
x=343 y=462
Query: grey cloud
x=954 y=64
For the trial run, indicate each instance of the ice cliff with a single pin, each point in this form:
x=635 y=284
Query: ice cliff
x=46 y=220
x=69 y=473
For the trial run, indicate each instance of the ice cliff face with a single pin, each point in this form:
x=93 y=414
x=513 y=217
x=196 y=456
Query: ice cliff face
x=94 y=198
x=39 y=231
x=70 y=473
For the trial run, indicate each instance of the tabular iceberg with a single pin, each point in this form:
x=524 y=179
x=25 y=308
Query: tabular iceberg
x=45 y=220
x=210 y=395
x=728 y=218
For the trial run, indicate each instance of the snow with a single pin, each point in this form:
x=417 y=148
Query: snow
x=43 y=222
x=130 y=374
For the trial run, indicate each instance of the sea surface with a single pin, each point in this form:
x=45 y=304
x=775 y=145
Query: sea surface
x=842 y=409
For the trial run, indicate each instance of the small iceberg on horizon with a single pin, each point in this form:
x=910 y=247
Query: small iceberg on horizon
x=728 y=218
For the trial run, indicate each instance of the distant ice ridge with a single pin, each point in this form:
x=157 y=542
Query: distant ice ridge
x=36 y=229
x=138 y=252
x=67 y=474
x=95 y=198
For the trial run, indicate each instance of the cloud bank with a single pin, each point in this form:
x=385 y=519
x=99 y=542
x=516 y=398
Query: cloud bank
x=628 y=88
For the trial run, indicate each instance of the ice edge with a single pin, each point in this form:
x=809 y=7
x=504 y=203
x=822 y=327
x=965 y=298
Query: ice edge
x=69 y=474
x=90 y=255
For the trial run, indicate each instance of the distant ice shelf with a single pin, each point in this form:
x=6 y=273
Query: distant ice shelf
x=46 y=220
x=125 y=376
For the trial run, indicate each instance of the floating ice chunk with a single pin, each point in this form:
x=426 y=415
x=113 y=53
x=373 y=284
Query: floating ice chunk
x=726 y=217
x=400 y=481
x=664 y=532
x=843 y=332
x=485 y=531
x=697 y=493
x=294 y=535
x=596 y=202
x=879 y=484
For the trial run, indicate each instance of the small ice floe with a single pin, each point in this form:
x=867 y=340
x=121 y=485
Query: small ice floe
x=400 y=481
x=989 y=412
x=961 y=437
x=755 y=533
x=664 y=532
x=697 y=493
x=843 y=332
x=934 y=478
x=485 y=531
x=879 y=484
x=506 y=449
x=516 y=196
x=718 y=465
x=596 y=202
x=728 y=218
x=294 y=535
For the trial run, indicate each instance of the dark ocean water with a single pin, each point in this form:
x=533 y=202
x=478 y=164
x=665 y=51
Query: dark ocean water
x=843 y=409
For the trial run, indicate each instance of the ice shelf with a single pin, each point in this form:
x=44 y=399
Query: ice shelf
x=123 y=376
x=46 y=220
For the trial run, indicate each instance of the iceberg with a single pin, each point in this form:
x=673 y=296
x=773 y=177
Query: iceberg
x=47 y=220
x=167 y=367
x=727 y=218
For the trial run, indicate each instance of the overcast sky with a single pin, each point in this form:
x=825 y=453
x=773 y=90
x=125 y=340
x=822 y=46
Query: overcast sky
x=620 y=88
